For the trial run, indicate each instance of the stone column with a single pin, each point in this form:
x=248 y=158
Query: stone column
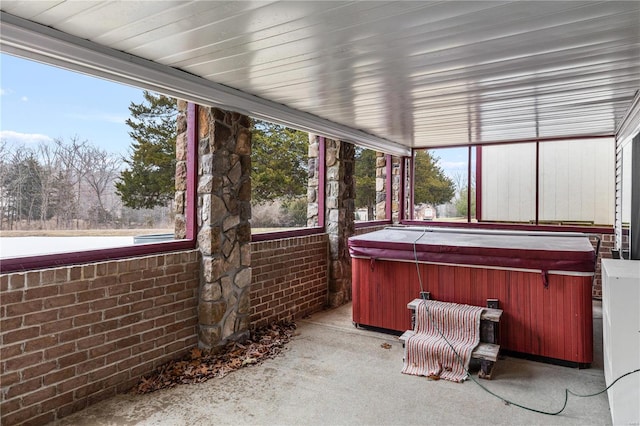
x=224 y=232
x=340 y=209
x=313 y=182
x=396 y=181
x=180 y=222
x=381 y=187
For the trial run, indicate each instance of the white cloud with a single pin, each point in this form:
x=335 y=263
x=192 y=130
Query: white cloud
x=109 y=118
x=24 y=99
x=4 y=91
x=23 y=138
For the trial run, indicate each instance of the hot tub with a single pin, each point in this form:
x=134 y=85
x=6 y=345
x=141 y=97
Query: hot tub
x=541 y=280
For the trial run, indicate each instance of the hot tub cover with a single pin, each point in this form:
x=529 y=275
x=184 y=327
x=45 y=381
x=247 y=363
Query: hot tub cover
x=544 y=251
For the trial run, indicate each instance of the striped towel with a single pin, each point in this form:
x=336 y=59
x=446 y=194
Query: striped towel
x=427 y=353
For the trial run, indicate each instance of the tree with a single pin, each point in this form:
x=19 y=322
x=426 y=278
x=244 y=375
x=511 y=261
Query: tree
x=101 y=170
x=431 y=186
x=365 y=176
x=279 y=162
x=149 y=179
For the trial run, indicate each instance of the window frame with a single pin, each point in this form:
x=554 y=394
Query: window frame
x=480 y=224
x=26 y=263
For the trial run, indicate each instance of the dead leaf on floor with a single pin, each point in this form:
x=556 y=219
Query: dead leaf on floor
x=385 y=346
x=200 y=365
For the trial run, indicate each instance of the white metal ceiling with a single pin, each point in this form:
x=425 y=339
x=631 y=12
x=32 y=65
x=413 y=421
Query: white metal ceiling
x=421 y=73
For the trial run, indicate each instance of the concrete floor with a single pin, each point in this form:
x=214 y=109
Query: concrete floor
x=334 y=374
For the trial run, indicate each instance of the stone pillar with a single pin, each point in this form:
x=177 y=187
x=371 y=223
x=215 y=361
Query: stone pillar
x=313 y=182
x=224 y=232
x=180 y=222
x=396 y=182
x=381 y=187
x=340 y=209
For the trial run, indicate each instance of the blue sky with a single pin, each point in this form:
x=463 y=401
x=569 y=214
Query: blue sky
x=40 y=103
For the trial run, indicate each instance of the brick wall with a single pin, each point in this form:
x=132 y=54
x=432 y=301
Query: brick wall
x=607 y=243
x=72 y=336
x=289 y=278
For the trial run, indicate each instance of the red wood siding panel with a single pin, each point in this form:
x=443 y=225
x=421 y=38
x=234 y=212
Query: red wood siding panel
x=554 y=321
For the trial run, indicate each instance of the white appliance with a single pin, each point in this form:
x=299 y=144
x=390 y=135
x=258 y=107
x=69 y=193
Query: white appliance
x=621 y=337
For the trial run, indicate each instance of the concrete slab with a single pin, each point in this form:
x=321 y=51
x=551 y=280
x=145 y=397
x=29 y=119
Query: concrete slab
x=335 y=374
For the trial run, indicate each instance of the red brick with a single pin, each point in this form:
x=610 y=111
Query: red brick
x=119 y=333
x=21 y=308
x=7 y=407
x=130 y=319
x=16 y=281
x=162 y=321
x=102 y=350
x=144 y=283
x=41 y=317
x=8 y=324
x=44 y=342
x=90 y=365
x=60 y=350
x=115 y=290
x=75 y=273
x=117 y=312
x=38 y=396
x=90 y=342
x=106 y=268
x=58 y=301
x=103 y=281
x=117 y=379
x=95 y=294
x=38 y=370
x=41 y=292
x=129 y=363
x=118 y=356
x=103 y=373
x=103 y=304
x=62 y=275
x=56 y=326
x=74 y=287
x=130 y=277
x=129 y=298
x=20 y=417
x=10 y=297
x=74 y=334
x=72 y=359
x=87 y=389
x=128 y=342
x=141 y=306
x=9 y=378
x=74 y=310
x=59 y=375
x=91 y=318
x=140 y=327
x=20 y=335
x=23 y=387
x=58 y=401
x=151 y=335
x=104 y=326
x=153 y=292
x=88 y=271
x=152 y=313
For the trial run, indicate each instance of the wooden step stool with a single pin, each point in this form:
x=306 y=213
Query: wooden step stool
x=486 y=353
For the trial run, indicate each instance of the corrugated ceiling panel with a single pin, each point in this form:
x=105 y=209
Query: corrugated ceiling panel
x=419 y=73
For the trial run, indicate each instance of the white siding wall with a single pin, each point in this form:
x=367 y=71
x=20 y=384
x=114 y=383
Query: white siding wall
x=509 y=182
x=577 y=181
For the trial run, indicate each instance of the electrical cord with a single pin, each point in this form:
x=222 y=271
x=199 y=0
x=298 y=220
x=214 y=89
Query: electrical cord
x=567 y=391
